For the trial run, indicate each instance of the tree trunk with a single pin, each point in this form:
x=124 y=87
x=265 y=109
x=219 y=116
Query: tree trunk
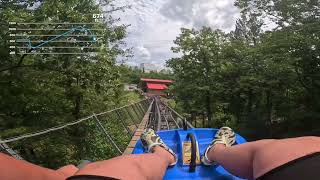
x=203 y=120
x=193 y=118
x=77 y=107
x=209 y=109
x=269 y=112
x=77 y=103
x=238 y=107
x=249 y=106
x=208 y=83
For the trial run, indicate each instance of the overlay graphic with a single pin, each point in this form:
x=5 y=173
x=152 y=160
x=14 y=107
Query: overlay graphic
x=54 y=38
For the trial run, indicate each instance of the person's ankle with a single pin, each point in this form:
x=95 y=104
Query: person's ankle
x=164 y=153
x=213 y=149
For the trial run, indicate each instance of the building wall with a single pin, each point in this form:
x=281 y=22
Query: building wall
x=157 y=92
x=143 y=85
x=130 y=87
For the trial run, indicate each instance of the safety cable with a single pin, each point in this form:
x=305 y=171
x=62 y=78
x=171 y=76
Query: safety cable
x=55 y=128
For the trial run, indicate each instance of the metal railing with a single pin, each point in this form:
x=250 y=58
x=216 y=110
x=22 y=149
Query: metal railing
x=95 y=137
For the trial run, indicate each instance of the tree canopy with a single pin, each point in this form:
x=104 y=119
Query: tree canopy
x=262 y=79
x=264 y=83
x=40 y=91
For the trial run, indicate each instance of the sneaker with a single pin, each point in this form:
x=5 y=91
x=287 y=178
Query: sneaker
x=150 y=139
x=225 y=136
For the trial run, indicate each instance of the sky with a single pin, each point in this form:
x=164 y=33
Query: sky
x=154 y=24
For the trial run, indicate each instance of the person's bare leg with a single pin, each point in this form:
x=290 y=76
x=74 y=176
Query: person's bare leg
x=150 y=166
x=254 y=159
x=237 y=159
x=13 y=169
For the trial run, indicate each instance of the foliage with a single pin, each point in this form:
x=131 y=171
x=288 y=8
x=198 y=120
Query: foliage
x=265 y=84
x=132 y=75
x=41 y=91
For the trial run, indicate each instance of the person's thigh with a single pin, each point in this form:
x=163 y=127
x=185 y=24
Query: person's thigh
x=130 y=167
x=280 y=152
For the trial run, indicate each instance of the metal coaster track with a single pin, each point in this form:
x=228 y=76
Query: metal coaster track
x=163 y=117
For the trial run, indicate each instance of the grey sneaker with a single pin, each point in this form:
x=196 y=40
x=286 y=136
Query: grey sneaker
x=150 y=139
x=225 y=136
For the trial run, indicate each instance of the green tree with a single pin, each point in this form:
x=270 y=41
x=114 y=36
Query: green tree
x=196 y=71
x=263 y=83
x=41 y=91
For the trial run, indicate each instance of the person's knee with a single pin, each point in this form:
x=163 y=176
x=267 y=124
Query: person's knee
x=260 y=147
x=127 y=167
x=298 y=141
x=309 y=138
x=144 y=167
x=261 y=144
x=266 y=141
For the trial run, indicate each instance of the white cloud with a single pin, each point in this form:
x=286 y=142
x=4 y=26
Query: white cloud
x=217 y=14
x=142 y=52
x=156 y=23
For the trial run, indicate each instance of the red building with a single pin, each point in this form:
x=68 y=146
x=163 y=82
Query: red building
x=155 y=86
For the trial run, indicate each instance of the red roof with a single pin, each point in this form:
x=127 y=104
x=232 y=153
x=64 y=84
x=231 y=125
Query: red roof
x=157 y=86
x=156 y=80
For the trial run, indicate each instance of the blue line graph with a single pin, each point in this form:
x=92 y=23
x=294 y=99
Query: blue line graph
x=65 y=34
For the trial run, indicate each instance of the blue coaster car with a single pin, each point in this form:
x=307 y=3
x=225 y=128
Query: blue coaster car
x=189 y=145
